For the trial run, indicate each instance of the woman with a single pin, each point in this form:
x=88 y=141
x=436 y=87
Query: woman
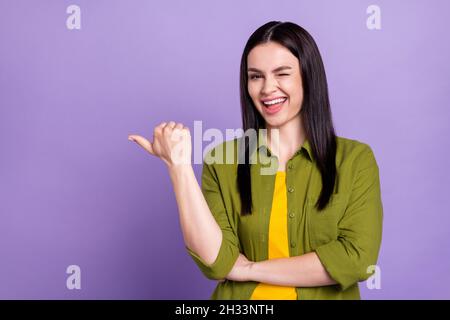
x=311 y=228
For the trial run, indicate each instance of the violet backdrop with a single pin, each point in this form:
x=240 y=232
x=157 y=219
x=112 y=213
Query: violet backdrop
x=74 y=190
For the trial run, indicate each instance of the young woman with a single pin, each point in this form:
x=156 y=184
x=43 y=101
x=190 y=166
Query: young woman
x=311 y=229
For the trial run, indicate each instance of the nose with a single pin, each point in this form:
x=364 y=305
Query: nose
x=270 y=85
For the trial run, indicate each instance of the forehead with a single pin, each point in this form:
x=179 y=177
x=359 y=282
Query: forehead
x=270 y=55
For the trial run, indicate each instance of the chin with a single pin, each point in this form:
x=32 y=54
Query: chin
x=275 y=122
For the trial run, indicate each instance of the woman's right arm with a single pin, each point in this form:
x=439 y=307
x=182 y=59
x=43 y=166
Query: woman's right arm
x=172 y=143
x=201 y=232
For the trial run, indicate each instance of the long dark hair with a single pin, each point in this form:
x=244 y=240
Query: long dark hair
x=315 y=110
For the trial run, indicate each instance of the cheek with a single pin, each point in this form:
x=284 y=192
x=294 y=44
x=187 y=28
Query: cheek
x=253 y=92
x=296 y=95
x=295 y=105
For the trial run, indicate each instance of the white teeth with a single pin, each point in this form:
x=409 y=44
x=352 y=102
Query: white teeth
x=272 y=102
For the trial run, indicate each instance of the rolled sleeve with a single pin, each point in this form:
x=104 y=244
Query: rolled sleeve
x=360 y=229
x=229 y=248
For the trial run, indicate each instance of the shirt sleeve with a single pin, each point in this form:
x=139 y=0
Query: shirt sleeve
x=229 y=248
x=347 y=259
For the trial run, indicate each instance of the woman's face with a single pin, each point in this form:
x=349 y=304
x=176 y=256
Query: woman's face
x=274 y=72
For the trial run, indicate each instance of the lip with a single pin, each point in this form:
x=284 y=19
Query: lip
x=274 y=109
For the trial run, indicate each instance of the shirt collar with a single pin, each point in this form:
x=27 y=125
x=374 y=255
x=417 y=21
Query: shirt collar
x=263 y=146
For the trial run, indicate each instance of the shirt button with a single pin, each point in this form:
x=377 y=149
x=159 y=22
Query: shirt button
x=291 y=215
x=293 y=244
x=291 y=189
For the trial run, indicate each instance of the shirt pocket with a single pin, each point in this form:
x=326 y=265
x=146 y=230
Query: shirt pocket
x=323 y=225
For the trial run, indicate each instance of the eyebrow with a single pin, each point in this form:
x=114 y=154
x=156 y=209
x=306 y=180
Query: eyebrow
x=274 y=70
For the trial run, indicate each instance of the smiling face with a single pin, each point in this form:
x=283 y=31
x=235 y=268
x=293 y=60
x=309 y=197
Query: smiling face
x=274 y=72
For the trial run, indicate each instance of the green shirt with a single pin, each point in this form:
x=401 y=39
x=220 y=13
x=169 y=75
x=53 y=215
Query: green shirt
x=346 y=235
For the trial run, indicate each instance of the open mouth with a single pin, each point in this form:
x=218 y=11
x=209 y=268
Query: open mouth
x=274 y=106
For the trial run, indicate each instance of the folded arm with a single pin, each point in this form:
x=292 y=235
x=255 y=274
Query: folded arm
x=343 y=261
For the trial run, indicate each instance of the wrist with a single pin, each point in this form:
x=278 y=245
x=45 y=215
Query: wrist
x=250 y=271
x=177 y=170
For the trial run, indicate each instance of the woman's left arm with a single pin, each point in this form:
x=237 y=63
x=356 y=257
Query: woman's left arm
x=300 y=271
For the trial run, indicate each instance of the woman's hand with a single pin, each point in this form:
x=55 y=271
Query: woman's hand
x=171 y=143
x=241 y=269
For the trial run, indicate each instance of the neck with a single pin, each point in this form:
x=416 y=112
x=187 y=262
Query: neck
x=291 y=137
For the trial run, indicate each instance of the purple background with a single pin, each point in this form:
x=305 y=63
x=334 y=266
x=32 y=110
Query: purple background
x=74 y=190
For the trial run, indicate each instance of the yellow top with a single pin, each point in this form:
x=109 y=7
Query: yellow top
x=278 y=243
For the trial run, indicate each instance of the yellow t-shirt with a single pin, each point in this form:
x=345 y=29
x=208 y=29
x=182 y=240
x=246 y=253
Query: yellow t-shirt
x=278 y=243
